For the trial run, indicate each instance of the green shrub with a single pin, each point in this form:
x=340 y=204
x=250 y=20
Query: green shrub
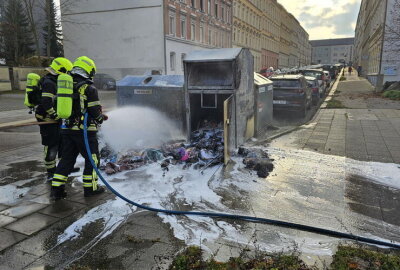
x=392 y=94
x=343 y=78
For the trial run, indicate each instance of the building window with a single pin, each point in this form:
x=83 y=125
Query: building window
x=209 y=37
x=172 y=25
x=183 y=28
x=223 y=13
x=172 y=60
x=216 y=9
x=202 y=5
x=194 y=3
x=193 y=31
x=209 y=7
x=183 y=56
x=201 y=33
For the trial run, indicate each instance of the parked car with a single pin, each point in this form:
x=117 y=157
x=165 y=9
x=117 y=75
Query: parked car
x=320 y=75
x=267 y=72
x=104 y=81
x=332 y=70
x=328 y=79
x=291 y=93
x=315 y=89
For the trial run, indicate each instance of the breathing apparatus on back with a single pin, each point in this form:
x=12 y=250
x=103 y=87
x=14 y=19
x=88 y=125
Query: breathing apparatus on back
x=33 y=92
x=70 y=94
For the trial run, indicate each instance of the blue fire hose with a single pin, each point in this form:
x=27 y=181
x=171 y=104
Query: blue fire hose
x=291 y=225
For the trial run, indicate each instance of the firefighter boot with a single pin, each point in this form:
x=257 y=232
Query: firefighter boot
x=88 y=191
x=58 y=193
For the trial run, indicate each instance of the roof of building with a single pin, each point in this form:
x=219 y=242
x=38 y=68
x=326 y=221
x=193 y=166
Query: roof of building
x=213 y=55
x=332 y=42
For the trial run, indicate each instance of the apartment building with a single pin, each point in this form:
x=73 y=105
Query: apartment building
x=376 y=44
x=332 y=51
x=144 y=36
x=195 y=24
x=273 y=35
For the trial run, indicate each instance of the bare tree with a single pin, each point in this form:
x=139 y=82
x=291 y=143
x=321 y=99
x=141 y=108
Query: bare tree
x=29 y=7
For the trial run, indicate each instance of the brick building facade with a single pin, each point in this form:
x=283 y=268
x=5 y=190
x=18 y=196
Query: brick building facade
x=195 y=24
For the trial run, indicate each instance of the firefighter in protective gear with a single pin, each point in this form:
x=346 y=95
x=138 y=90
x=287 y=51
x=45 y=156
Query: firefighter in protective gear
x=86 y=100
x=46 y=112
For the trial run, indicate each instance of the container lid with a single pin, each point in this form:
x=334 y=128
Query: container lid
x=213 y=55
x=260 y=79
x=152 y=80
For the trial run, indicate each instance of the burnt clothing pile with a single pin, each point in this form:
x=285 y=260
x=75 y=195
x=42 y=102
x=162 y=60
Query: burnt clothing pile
x=257 y=160
x=205 y=149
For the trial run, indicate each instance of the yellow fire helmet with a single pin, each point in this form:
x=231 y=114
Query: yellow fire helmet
x=61 y=65
x=86 y=64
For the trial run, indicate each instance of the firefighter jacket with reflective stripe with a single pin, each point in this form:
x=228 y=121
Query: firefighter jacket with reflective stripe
x=46 y=110
x=87 y=100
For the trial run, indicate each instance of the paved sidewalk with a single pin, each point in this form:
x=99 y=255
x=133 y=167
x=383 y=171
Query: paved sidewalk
x=367 y=129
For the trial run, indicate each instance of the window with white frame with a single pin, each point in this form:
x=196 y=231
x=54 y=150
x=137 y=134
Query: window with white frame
x=201 y=33
x=172 y=24
x=193 y=31
x=183 y=27
x=183 y=56
x=172 y=60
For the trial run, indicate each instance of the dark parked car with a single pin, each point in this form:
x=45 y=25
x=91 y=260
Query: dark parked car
x=104 y=81
x=291 y=93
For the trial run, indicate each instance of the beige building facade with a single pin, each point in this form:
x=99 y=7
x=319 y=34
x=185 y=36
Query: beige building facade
x=273 y=35
x=376 y=49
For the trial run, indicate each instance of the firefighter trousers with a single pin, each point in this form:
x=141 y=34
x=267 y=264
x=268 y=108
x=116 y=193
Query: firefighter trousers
x=50 y=134
x=72 y=146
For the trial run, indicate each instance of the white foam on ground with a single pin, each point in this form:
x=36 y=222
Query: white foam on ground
x=189 y=189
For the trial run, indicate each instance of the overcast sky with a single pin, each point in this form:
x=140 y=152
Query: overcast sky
x=324 y=19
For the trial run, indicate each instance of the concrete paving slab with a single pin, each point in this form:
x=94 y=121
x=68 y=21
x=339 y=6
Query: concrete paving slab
x=9 y=238
x=380 y=158
x=17 y=260
x=40 y=189
x=42 y=199
x=31 y=224
x=5 y=220
x=79 y=198
x=23 y=209
x=2 y=207
x=62 y=208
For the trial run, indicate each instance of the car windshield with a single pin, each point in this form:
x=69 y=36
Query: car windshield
x=312 y=74
x=286 y=83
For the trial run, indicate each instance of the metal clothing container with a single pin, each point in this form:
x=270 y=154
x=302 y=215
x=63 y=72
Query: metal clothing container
x=161 y=92
x=263 y=103
x=219 y=87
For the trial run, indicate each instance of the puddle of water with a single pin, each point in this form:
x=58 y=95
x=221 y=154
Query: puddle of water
x=20 y=171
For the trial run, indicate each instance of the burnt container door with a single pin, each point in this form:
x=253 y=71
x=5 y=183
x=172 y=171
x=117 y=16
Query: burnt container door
x=229 y=128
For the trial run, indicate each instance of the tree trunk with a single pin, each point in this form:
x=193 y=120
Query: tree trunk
x=29 y=5
x=48 y=27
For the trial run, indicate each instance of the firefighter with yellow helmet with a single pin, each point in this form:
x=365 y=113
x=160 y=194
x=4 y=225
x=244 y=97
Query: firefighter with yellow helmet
x=46 y=112
x=77 y=95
